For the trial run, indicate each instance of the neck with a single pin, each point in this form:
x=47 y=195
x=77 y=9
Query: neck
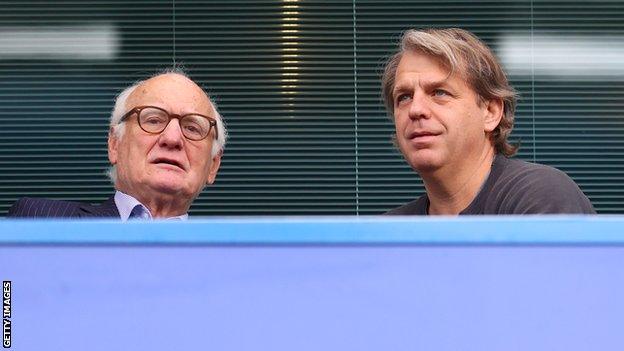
x=163 y=208
x=162 y=205
x=452 y=189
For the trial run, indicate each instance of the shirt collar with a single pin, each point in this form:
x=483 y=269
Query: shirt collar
x=126 y=203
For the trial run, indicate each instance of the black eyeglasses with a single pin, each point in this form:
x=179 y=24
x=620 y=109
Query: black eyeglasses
x=154 y=120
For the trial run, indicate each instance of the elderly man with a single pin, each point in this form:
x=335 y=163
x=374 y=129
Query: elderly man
x=165 y=144
x=453 y=110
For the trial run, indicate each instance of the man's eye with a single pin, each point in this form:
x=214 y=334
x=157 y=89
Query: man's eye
x=193 y=129
x=153 y=120
x=441 y=93
x=403 y=97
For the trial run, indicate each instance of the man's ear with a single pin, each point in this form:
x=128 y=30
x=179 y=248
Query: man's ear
x=214 y=167
x=493 y=114
x=113 y=142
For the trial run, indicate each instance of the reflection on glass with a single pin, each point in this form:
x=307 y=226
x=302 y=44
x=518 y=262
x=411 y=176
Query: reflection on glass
x=563 y=56
x=100 y=41
x=290 y=43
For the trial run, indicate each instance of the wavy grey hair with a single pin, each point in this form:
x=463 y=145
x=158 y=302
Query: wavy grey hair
x=118 y=127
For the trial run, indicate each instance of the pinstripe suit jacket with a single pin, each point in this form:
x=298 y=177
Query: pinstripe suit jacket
x=44 y=208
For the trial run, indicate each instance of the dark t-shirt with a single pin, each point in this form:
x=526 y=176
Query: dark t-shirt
x=517 y=187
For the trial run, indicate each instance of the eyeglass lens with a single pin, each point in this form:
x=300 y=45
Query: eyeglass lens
x=193 y=127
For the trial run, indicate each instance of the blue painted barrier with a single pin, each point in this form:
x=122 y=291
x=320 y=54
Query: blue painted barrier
x=477 y=283
x=508 y=230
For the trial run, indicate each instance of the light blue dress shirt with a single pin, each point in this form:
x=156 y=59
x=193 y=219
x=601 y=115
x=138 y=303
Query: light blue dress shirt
x=131 y=208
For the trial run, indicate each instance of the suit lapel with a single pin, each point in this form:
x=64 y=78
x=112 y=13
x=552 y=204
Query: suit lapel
x=105 y=209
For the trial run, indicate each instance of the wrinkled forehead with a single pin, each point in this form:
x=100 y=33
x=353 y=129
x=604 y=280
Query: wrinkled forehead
x=173 y=92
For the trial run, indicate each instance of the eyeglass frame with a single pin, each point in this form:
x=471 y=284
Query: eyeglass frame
x=138 y=109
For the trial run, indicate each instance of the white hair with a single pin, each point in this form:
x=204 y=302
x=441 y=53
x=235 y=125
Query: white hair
x=118 y=127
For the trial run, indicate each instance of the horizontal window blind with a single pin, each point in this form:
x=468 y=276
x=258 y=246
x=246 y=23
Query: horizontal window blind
x=298 y=85
x=565 y=59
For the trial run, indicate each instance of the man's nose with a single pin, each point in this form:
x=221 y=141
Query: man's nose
x=172 y=137
x=419 y=106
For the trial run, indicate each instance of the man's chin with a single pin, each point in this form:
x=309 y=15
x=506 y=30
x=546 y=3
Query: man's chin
x=424 y=164
x=168 y=186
